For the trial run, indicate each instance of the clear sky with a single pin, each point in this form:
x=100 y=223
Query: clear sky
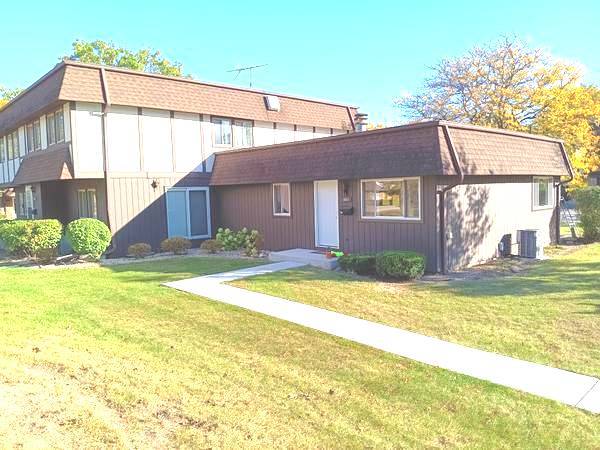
x=361 y=53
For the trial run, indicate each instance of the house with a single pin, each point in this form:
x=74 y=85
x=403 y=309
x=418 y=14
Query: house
x=450 y=191
x=157 y=156
x=136 y=150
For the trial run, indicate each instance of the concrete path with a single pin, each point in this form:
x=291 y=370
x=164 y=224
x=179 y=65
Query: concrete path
x=567 y=387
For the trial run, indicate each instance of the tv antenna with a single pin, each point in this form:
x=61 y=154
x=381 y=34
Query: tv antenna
x=243 y=69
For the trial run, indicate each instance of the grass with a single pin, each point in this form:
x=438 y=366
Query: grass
x=550 y=315
x=108 y=357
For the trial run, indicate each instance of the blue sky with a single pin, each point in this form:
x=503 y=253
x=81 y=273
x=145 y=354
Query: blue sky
x=352 y=52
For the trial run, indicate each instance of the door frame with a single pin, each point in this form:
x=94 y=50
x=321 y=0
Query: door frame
x=316 y=214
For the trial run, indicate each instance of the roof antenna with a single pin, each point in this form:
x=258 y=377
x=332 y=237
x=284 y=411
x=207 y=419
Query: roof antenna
x=249 y=69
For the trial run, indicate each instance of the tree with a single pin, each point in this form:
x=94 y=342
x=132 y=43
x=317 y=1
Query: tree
x=7 y=95
x=107 y=53
x=503 y=85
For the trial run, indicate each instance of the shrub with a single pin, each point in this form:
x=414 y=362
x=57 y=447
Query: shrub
x=30 y=237
x=231 y=240
x=588 y=204
x=400 y=265
x=89 y=237
x=47 y=255
x=139 y=250
x=253 y=243
x=177 y=245
x=360 y=264
x=212 y=246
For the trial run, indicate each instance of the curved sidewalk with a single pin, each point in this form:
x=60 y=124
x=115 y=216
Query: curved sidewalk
x=571 y=388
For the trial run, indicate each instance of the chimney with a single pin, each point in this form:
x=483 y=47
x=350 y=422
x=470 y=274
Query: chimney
x=360 y=121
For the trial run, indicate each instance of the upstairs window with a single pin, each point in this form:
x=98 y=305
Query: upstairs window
x=543 y=192
x=242 y=133
x=232 y=132
x=87 y=204
x=12 y=145
x=281 y=199
x=33 y=137
x=2 y=150
x=55 y=127
x=394 y=199
x=222 y=132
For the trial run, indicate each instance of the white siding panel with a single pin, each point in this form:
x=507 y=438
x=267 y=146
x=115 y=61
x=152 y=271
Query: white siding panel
x=322 y=132
x=44 y=132
x=22 y=150
x=67 y=116
x=187 y=140
x=207 y=142
x=303 y=133
x=123 y=139
x=87 y=138
x=157 y=141
x=337 y=132
x=264 y=134
x=284 y=133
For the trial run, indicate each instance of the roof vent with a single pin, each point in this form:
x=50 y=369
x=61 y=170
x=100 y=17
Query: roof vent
x=272 y=103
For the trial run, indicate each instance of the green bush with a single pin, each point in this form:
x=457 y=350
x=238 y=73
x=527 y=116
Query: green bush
x=139 y=250
x=250 y=241
x=177 y=245
x=89 y=237
x=360 y=264
x=253 y=243
x=30 y=237
x=211 y=246
x=400 y=265
x=588 y=205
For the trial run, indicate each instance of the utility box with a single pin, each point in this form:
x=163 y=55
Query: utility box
x=528 y=244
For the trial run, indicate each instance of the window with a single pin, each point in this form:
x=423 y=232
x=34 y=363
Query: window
x=33 y=137
x=12 y=145
x=188 y=212
x=396 y=199
x=242 y=133
x=281 y=199
x=543 y=192
x=2 y=150
x=55 y=127
x=87 y=204
x=222 y=132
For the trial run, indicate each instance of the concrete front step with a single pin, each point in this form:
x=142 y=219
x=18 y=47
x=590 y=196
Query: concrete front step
x=305 y=256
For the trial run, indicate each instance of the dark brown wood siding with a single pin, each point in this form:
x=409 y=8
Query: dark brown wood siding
x=59 y=199
x=251 y=206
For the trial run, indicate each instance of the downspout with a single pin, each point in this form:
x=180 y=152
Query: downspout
x=105 y=106
x=559 y=185
x=442 y=194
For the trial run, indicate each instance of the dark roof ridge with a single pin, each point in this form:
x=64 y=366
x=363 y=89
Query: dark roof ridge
x=504 y=131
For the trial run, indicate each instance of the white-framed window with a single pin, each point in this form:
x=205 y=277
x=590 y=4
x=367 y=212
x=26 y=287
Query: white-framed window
x=543 y=192
x=12 y=145
x=242 y=133
x=87 y=203
x=391 y=198
x=282 y=205
x=222 y=134
x=2 y=149
x=33 y=136
x=55 y=127
x=188 y=212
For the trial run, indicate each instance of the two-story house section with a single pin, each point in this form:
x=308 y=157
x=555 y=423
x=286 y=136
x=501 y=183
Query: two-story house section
x=136 y=150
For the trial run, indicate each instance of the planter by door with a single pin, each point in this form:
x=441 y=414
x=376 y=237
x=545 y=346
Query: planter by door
x=326 y=214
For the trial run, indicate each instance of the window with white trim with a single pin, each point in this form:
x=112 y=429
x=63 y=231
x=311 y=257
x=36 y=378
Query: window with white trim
x=222 y=132
x=33 y=136
x=281 y=199
x=188 y=212
x=87 y=203
x=392 y=198
x=543 y=192
x=55 y=127
x=2 y=149
x=12 y=145
x=242 y=133
x=232 y=132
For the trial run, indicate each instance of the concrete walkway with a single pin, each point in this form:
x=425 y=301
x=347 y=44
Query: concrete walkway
x=567 y=387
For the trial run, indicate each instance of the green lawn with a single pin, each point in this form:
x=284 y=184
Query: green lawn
x=108 y=357
x=550 y=315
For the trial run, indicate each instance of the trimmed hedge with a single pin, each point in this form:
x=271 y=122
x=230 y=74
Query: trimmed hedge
x=588 y=204
x=30 y=237
x=177 y=245
x=212 y=246
x=400 y=265
x=89 y=237
x=139 y=250
x=359 y=264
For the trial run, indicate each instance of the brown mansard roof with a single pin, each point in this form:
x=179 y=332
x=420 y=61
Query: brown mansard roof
x=74 y=81
x=414 y=149
x=46 y=165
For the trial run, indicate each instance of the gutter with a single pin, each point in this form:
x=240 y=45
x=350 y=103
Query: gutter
x=442 y=193
x=559 y=185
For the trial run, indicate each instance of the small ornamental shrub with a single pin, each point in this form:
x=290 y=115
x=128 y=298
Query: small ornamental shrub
x=212 y=246
x=400 y=265
x=588 y=205
x=89 y=237
x=359 y=264
x=231 y=240
x=30 y=237
x=47 y=255
x=139 y=250
x=177 y=245
x=253 y=243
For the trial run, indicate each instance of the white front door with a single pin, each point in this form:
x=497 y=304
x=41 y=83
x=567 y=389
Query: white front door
x=326 y=214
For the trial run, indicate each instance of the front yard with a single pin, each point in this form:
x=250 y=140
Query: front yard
x=107 y=356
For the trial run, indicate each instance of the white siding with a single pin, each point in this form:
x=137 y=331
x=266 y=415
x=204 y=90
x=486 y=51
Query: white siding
x=157 y=141
x=87 y=139
x=67 y=116
x=303 y=133
x=187 y=142
x=337 y=132
x=123 y=139
x=322 y=132
x=284 y=133
x=44 y=132
x=22 y=149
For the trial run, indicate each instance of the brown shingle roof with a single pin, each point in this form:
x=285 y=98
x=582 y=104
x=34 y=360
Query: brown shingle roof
x=415 y=149
x=73 y=81
x=45 y=165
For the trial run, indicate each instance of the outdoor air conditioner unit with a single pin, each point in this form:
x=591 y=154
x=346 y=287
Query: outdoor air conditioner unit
x=529 y=246
x=272 y=103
